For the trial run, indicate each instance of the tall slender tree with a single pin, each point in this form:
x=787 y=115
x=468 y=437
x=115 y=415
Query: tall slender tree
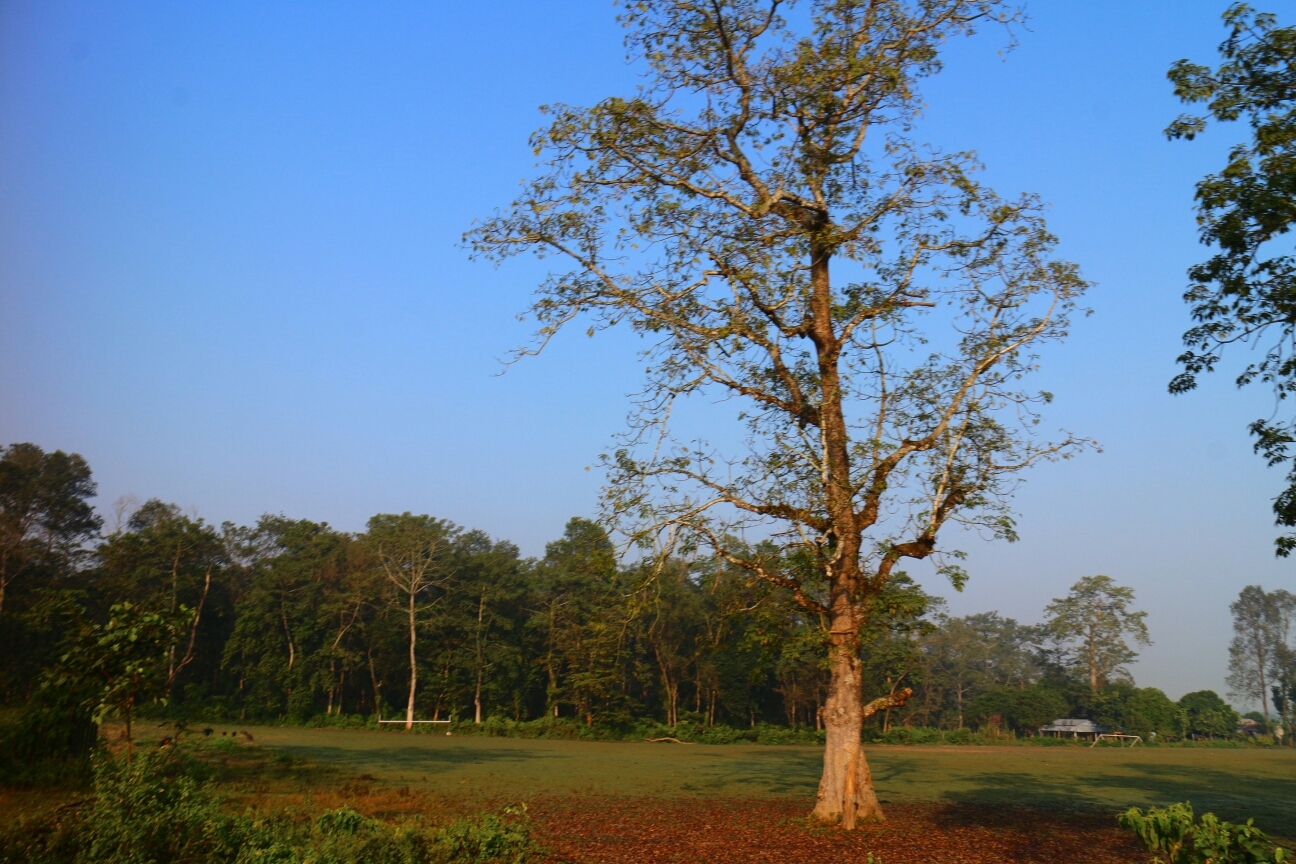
x=1255 y=645
x=415 y=554
x=759 y=215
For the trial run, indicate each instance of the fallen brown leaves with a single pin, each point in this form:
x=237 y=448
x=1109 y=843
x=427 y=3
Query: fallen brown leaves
x=648 y=830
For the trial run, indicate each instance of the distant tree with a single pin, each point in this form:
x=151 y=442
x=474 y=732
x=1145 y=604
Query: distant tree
x=1024 y=709
x=45 y=517
x=1149 y=712
x=892 y=653
x=163 y=560
x=960 y=658
x=1207 y=714
x=580 y=613
x=486 y=603
x=1283 y=668
x=1092 y=623
x=1246 y=292
x=670 y=611
x=415 y=554
x=708 y=212
x=1255 y=645
x=307 y=597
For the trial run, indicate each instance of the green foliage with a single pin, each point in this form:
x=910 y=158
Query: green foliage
x=1172 y=832
x=1206 y=714
x=1245 y=291
x=48 y=741
x=487 y=838
x=159 y=808
x=122 y=662
x=292 y=622
x=1092 y=622
x=1149 y=712
x=154 y=807
x=45 y=522
x=1023 y=710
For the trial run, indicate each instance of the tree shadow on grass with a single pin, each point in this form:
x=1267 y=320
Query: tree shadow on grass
x=773 y=773
x=1235 y=795
x=422 y=760
x=993 y=788
x=1053 y=830
x=1232 y=795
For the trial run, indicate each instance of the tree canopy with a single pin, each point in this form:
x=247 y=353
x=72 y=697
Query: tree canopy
x=1246 y=291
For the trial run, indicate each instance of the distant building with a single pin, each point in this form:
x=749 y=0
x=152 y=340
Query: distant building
x=1086 y=729
x=1250 y=728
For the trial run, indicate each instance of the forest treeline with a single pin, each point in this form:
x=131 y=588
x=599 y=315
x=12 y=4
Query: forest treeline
x=292 y=620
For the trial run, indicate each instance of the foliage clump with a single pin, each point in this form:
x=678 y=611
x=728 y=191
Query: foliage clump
x=155 y=807
x=1172 y=832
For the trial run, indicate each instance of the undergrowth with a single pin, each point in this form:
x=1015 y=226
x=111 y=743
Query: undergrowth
x=1173 y=832
x=160 y=807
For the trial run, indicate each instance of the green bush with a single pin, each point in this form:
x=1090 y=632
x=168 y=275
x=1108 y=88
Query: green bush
x=1173 y=832
x=159 y=808
x=487 y=838
x=153 y=807
x=46 y=743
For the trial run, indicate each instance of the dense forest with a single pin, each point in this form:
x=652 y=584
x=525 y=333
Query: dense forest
x=164 y=614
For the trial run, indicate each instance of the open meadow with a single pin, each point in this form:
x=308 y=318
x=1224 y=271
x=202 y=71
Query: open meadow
x=643 y=802
x=1233 y=783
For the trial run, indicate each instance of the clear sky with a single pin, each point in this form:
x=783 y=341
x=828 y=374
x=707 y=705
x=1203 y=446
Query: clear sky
x=229 y=278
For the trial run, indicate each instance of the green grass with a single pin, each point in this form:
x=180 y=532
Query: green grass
x=1234 y=784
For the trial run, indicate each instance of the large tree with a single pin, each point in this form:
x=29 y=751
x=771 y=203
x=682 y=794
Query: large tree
x=1092 y=624
x=45 y=517
x=1246 y=291
x=1255 y=645
x=757 y=213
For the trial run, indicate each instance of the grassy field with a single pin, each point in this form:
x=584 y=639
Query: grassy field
x=1234 y=784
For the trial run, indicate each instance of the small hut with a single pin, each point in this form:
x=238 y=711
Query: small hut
x=1071 y=728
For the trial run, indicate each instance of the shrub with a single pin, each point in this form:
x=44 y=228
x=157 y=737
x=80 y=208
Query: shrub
x=46 y=742
x=153 y=806
x=159 y=808
x=487 y=838
x=1173 y=832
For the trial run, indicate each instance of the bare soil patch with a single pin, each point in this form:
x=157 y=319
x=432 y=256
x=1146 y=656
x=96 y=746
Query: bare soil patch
x=756 y=831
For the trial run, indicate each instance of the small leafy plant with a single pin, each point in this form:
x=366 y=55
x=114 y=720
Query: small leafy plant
x=1173 y=832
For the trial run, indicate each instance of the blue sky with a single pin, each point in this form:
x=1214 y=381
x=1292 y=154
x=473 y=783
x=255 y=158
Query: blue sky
x=229 y=277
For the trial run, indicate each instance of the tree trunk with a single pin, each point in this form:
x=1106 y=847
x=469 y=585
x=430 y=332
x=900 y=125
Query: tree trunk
x=1264 y=688
x=1093 y=663
x=477 y=705
x=846 y=788
x=413 y=686
x=373 y=679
